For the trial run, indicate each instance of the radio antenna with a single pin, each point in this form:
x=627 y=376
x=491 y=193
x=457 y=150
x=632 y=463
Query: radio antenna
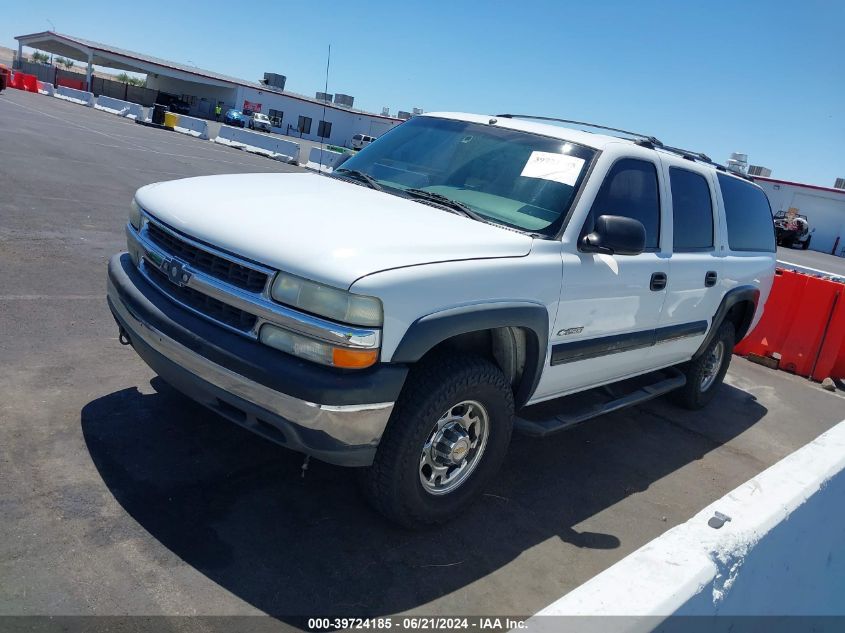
x=325 y=93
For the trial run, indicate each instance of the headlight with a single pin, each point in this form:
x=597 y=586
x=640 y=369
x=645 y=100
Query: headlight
x=317 y=351
x=326 y=301
x=135 y=215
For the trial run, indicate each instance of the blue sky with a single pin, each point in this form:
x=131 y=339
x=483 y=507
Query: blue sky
x=764 y=78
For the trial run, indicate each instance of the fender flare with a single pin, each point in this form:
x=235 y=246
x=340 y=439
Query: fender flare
x=428 y=331
x=732 y=297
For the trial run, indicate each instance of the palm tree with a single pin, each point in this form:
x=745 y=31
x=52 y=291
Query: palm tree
x=39 y=57
x=136 y=81
x=68 y=63
x=123 y=78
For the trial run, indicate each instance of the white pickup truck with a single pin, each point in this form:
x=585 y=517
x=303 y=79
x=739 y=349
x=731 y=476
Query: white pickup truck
x=403 y=314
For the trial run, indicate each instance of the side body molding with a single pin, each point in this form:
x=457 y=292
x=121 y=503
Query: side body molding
x=426 y=332
x=732 y=297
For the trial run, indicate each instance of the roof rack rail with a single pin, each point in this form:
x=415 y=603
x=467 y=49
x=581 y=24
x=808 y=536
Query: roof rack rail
x=645 y=137
x=644 y=140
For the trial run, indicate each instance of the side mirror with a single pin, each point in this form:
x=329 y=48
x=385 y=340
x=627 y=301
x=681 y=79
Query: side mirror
x=615 y=235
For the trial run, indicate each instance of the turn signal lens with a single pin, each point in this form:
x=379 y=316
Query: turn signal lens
x=317 y=351
x=354 y=358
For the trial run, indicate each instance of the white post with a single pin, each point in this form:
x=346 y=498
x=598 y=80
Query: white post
x=90 y=71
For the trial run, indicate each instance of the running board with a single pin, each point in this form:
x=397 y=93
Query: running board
x=595 y=402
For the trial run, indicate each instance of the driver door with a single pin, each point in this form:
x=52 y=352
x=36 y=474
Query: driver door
x=610 y=304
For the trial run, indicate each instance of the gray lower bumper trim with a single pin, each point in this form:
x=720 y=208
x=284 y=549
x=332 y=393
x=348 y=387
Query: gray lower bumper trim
x=354 y=425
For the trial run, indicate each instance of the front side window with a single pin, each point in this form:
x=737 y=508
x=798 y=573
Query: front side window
x=692 y=211
x=509 y=177
x=630 y=189
x=749 y=216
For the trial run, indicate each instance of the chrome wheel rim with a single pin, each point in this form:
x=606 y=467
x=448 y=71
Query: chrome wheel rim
x=712 y=365
x=454 y=447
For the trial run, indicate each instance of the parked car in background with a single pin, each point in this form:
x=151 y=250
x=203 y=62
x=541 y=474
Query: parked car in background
x=259 y=121
x=359 y=141
x=234 y=117
x=403 y=314
x=793 y=230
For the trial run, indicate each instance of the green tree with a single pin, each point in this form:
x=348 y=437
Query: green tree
x=39 y=57
x=123 y=78
x=136 y=81
x=68 y=63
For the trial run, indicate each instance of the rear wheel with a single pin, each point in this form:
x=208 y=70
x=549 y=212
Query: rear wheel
x=806 y=244
x=446 y=439
x=706 y=373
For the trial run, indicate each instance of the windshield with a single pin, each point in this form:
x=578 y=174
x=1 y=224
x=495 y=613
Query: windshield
x=261 y=117
x=522 y=180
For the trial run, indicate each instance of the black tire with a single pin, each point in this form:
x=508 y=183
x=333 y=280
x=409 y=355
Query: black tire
x=691 y=395
x=393 y=484
x=806 y=244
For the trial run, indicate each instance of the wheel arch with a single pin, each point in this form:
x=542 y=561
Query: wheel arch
x=739 y=305
x=504 y=330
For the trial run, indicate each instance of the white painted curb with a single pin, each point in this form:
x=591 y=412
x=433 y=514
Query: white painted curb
x=119 y=107
x=323 y=160
x=810 y=271
x=75 y=96
x=693 y=568
x=192 y=126
x=257 y=143
x=46 y=88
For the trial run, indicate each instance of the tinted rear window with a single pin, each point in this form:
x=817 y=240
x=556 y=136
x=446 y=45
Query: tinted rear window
x=749 y=215
x=692 y=211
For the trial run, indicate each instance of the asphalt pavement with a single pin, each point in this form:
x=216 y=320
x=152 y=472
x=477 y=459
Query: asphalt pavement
x=813 y=259
x=119 y=496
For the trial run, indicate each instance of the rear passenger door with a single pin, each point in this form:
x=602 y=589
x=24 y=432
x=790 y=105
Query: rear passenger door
x=696 y=263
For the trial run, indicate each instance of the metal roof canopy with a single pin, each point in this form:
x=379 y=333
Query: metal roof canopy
x=79 y=49
x=82 y=50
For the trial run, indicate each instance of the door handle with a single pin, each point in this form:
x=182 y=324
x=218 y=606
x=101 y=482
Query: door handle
x=710 y=279
x=658 y=281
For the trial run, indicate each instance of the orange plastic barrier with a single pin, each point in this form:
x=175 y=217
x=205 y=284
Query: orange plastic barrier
x=804 y=322
x=30 y=83
x=16 y=81
x=76 y=84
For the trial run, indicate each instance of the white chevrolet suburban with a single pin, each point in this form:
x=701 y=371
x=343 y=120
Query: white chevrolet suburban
x=406 y=312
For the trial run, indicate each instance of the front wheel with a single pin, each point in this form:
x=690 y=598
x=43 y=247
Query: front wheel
x=446 y=439
x=706 y=373
x=806 y=244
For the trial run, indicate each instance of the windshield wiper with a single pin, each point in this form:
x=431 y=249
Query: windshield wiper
x=445 y=201
x=360 y=176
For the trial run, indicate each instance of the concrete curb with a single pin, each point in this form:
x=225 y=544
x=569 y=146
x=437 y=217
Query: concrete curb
x=762 y=560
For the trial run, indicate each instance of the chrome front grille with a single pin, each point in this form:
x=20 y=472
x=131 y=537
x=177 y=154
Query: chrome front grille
x=208 y=306
x=224 y=269
x=226 y=289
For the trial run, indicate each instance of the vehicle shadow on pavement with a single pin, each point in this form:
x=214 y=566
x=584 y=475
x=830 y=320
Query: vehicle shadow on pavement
x=236 y=507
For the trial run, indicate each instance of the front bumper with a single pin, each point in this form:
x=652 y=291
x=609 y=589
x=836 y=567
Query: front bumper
x=333 y=415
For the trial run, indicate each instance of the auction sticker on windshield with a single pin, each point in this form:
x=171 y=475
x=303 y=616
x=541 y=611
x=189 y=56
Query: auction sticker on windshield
x=556 y=167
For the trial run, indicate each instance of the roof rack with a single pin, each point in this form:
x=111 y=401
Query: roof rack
x=646 y=137
x=643 y=140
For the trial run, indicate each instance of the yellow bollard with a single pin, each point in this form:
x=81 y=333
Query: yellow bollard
x=171 y=119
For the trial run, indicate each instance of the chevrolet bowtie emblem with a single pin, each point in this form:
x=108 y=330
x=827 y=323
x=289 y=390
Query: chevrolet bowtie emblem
x=175 y=271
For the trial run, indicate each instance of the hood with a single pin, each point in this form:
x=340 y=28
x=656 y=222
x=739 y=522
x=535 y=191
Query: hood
x=322 y=228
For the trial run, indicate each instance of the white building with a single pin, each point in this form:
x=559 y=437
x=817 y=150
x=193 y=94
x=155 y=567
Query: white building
x=292 y=113
x=823 y=206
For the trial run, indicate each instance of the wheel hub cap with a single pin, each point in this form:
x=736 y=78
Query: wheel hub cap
x=712 y=366
x=454 y=447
